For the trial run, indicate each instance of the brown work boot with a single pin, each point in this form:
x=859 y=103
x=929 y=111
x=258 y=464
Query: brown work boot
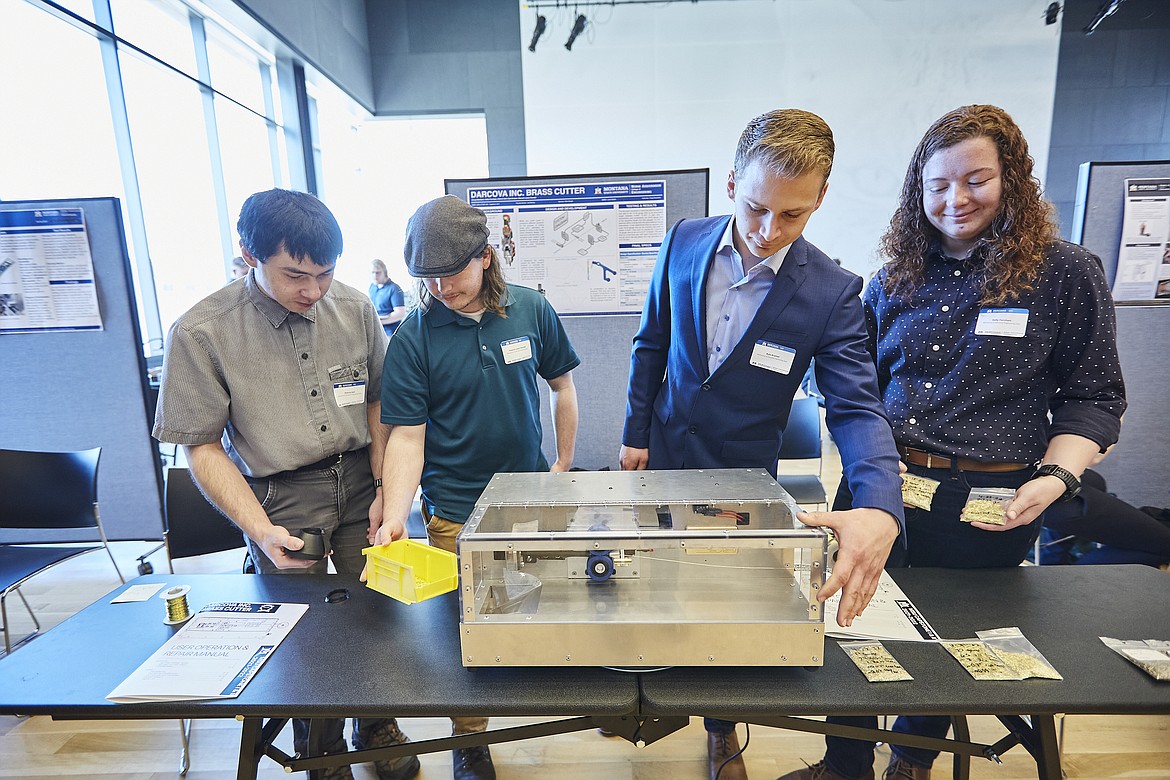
x=720 y=762
x=387 y=734
x=901 y=769
x=819 y=771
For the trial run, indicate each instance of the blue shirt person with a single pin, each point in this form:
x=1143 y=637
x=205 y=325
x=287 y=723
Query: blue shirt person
x=389 y=301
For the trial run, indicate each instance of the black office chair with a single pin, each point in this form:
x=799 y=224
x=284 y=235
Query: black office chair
x=802 y=441
x=38 y=491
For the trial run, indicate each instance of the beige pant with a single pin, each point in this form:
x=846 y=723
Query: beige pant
x=441 y=533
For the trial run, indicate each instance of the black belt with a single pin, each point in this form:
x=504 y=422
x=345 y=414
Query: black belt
x=321 y=465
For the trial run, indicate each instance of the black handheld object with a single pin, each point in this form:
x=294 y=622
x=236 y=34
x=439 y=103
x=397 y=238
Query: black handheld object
x=314 y=549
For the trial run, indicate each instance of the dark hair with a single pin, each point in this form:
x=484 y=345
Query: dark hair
x=492 y=294
x=788 y=142
x=294 y=221
x=1013 y=247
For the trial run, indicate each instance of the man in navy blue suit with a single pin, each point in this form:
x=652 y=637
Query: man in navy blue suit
x=738 y=307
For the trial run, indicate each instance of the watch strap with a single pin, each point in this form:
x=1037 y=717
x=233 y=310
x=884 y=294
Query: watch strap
x=1072 y=485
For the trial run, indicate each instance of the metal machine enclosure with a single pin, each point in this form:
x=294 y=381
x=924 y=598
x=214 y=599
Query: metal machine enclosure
x=640 y=569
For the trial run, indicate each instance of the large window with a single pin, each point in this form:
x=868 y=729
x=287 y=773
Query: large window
x=57 y=136
x=376 y=171
x=175 y=177
x=177 y=113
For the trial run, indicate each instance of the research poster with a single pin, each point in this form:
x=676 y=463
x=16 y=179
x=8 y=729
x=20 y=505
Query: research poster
x=588 y=247
x=46 y=272
x=1143 y=259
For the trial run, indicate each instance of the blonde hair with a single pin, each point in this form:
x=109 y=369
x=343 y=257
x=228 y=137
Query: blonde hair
x=788 y=142
x=379 y=266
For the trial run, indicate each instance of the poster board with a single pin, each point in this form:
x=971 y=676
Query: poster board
x=602 y=340
x=587 y=242
x=74 y=389
x=1116 y=218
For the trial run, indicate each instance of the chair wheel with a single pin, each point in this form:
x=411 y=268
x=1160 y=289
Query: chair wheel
x=145 y=568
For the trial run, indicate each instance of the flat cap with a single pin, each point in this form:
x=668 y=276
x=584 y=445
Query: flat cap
x=443 y=236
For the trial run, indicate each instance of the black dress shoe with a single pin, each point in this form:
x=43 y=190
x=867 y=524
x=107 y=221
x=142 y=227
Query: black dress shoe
x=473 y=763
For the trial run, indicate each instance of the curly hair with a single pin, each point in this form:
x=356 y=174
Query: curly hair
x=492 y=295
x=1013 y=246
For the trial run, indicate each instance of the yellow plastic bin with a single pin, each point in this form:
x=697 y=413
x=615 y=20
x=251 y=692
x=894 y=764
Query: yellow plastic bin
x=411 y=571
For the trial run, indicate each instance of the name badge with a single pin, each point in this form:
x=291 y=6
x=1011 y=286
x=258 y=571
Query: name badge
x=1002 y=322
x=773 y=357
x=516 y=350
x=349 y=393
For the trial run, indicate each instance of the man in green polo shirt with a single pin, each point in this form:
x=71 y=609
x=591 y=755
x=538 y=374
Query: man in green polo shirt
x=460 y=392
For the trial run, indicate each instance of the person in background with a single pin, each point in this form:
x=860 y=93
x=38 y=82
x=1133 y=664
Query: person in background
x=738 y=307
x=996 y=354
x=239 y=268
x=321 y=348
x=460 y=393
x=389 y=301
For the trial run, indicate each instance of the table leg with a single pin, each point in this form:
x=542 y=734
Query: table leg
x=1047 y=751
x=251 y=748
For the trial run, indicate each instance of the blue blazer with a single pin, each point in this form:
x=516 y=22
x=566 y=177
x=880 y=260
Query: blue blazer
x=734 y=418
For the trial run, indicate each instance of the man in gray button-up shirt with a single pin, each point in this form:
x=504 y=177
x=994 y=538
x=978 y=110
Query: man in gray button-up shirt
x=271 y=385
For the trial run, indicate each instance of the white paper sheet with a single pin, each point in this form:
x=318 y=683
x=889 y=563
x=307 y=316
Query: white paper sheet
x=214 y=655
x=890 y=615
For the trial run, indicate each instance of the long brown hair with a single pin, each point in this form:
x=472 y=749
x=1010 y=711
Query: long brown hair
x=492 y=294
x=1013 y=246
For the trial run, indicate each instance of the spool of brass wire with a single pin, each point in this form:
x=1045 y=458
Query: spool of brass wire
x=177 y=609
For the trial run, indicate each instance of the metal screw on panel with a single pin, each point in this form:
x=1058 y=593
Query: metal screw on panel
x=710 y=658
x=640 y=657
x=497 y=659
x=783 y=658
x=568 y=658
x=574 y=574
x=641 y=743
x=815 y=658
x=816 y=631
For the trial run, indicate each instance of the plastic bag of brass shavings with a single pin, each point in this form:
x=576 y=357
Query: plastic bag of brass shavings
x=1018 y=653
x=1150 y=655
x=875 y=661
x=979 y=660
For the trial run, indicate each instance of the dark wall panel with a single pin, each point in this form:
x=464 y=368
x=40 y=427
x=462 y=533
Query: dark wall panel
x=1112 y=93
x=78 y=390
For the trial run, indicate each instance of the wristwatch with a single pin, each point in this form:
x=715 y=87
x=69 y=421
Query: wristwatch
x=1072 y=485
x=378 y=483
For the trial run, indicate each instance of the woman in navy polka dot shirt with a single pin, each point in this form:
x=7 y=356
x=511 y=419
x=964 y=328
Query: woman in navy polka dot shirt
x=996 y=356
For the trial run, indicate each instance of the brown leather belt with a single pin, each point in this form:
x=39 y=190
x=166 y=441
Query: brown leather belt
x=933 y=461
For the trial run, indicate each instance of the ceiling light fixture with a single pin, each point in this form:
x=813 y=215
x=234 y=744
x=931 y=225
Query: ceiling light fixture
x=578 y=28
x=541 y=22
x=1107 y=9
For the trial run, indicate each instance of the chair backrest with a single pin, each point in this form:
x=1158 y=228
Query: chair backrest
x=194 y=526
x=802 y=433
x=48 y=489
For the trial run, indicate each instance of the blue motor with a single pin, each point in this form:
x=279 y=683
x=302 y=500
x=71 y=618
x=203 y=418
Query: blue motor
x=600 y=566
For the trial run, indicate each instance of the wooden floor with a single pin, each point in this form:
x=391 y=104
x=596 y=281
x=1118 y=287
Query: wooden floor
x=1095 y=747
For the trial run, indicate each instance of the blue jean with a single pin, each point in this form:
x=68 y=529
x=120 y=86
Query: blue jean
x=936 y=538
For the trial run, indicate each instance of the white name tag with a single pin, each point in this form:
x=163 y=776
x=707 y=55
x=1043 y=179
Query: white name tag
x=773 y=357
x=516 y=350
x=349 y=393
x=1002 y=322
